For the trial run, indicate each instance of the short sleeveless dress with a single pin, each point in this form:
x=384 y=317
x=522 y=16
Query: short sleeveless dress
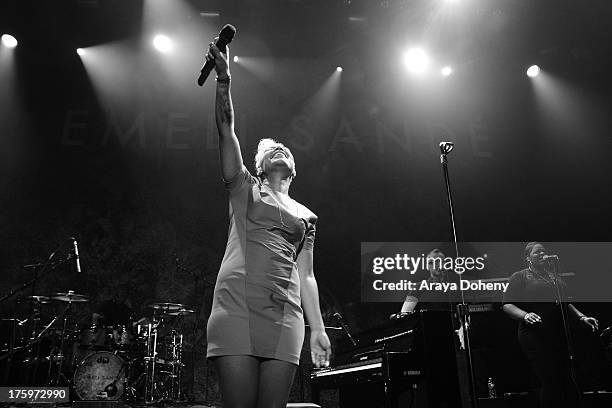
x=256 y=302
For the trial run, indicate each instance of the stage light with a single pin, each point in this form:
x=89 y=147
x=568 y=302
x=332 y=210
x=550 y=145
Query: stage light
x=416 y=60
x=533 y=71
x=80 y=51
x=9 y=41
x=236 y=59
x=162 y=43
x=446 y=71
x=339 y=69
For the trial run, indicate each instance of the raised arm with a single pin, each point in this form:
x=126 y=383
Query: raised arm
x=229 y=147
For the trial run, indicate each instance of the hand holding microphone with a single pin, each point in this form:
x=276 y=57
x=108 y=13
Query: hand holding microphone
x=220 y=60
x=215 y=58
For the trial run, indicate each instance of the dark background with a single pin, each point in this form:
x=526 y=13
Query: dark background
x=91 y=158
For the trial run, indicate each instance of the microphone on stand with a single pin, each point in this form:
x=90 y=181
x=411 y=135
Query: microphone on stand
x=345 y=328
x=76 y=254
x=552 y=266
x=446 y=147
x=225 y=37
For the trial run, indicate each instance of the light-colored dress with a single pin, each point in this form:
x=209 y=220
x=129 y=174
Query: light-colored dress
x=256 y=303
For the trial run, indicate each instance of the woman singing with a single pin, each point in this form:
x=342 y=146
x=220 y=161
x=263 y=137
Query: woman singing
x=531 y=298
x=256 y=327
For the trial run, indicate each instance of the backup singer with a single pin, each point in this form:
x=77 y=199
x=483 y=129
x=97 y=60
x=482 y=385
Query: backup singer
x=256 y=328
x=531 y=299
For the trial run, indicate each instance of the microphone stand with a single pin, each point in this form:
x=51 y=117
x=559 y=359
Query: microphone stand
x=344 y=327
x=566 y=329
x=47 y=267
x=462 y=308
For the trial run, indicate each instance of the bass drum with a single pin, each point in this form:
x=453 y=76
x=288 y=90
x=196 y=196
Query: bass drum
x=101 y=376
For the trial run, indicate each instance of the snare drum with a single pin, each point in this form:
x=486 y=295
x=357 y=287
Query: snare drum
x=101 y=375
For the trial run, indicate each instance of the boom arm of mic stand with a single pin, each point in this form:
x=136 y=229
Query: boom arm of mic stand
x=47 y=267
x=29 y=283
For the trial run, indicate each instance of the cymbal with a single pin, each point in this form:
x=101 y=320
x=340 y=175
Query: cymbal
x=181 y=312
x=70 y=296
x=144 y=321
x=39 y=299
x=167 y=307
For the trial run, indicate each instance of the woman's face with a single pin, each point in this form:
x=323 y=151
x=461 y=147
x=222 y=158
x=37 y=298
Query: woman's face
x=536 y=256
x=278 y=157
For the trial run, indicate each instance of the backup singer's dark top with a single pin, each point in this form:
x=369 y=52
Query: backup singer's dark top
x=536 y=293
x=256 y=303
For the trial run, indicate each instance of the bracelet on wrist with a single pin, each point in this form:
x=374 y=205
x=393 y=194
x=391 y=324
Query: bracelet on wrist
x=223 y=79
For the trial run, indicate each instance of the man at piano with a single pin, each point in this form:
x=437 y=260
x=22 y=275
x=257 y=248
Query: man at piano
x=428 y=300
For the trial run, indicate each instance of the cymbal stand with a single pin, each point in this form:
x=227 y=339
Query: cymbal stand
x=11 y=350
x=150 y=362
x=58 y=359
x=177 y=365
x=33 y=359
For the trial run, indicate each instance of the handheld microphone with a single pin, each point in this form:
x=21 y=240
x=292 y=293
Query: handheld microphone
x=550 y=258
x=345 y=328
x=76 y=255
x=225 y=37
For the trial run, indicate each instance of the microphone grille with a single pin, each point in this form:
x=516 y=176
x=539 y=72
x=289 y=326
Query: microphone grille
x=228 y=32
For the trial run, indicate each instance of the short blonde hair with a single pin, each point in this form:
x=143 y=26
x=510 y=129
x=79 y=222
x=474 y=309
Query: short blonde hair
x=262 y=146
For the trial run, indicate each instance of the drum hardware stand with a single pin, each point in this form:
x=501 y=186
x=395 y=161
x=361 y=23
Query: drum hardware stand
x=11 y=350
x=150 y=362
x=58 y=359
x=111 y=389
x=177 y=367
x=462 y=308
x=33 y=348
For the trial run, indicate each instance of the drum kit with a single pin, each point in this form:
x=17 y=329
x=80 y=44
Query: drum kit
x=134 y=361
